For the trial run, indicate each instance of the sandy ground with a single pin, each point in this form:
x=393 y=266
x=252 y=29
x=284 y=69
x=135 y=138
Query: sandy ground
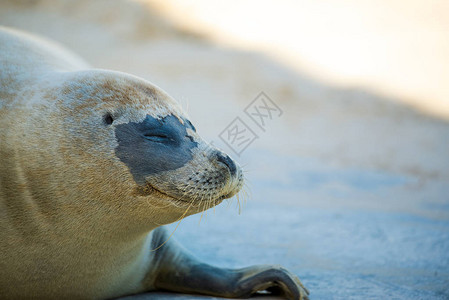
x=349 y=186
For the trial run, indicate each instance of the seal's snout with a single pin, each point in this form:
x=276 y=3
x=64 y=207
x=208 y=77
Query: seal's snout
x=227 y=161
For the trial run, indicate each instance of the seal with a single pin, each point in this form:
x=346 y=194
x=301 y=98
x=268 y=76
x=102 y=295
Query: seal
x=92 y=164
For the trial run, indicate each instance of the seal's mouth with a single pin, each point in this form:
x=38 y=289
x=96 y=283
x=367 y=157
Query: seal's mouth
x=227 y=196
x=151 y=189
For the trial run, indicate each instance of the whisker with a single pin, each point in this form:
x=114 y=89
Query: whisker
x=179 y=222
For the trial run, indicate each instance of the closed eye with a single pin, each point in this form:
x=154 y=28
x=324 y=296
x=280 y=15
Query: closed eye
x=157 y=137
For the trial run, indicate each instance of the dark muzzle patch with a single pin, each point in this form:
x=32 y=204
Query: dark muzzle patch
x=154 y=145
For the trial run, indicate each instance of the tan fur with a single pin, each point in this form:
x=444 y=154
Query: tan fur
x=73 y=223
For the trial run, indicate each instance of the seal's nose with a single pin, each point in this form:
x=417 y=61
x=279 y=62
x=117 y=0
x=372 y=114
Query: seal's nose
x=226 y=160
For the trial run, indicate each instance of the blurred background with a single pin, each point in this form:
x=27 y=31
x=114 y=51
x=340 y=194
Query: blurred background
x=348 y=181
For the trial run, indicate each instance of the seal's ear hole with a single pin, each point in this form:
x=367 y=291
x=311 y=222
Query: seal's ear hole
x=108 y=119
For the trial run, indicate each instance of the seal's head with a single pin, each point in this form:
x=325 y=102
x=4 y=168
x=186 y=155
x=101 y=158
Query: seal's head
x=165 y=154
x=143 y=146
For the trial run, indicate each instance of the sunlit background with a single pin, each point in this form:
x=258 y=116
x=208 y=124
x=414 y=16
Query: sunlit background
x=349 y=187
x=397 y=48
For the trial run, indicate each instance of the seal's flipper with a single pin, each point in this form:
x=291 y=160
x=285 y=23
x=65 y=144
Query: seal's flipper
x=273 y=279
x=179 y=271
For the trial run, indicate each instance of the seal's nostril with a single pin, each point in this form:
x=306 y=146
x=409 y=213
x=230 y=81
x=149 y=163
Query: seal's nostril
x=223 y=158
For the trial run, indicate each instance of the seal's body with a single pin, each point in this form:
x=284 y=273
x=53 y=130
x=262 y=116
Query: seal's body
x=92 y=163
